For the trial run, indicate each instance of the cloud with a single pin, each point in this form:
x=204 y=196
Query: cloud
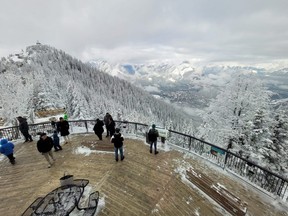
x=148 y=30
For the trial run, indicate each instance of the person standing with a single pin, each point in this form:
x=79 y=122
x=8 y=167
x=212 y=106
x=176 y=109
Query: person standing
x=98 y=128
x=152 y=137
x=106 y=122
x=44 y=146
x=111 y=126
x=63 y=128
x=7 y=148
x=118 y=139
x=24 y=128
x=56 y=141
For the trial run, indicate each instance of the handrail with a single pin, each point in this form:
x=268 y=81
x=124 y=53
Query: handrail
x=241 y=167
x=229 y=152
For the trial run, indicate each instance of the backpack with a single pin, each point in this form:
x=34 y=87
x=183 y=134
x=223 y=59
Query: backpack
x=152 y=135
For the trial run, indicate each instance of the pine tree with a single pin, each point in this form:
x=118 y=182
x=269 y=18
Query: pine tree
x=230 y=116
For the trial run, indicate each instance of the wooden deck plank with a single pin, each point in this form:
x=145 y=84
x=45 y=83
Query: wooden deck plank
x=142 y=184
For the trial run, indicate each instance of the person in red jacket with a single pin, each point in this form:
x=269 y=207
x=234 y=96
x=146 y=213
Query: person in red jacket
x=44 y=146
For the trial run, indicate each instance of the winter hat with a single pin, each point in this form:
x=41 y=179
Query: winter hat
x=117 y=130
x=42 y=134
x=4 y=141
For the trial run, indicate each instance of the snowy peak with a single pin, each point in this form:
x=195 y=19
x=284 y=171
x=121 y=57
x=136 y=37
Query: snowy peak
x=132 y=72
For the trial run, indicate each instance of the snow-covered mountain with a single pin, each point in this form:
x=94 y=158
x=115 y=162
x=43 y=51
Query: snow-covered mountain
x=189 y=85
x=44 y=78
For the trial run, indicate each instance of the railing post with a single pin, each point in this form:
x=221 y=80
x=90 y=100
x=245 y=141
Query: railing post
x=86 y=126
x=226 y=158
x=183 y=141
x=190 y=141
x=280 y=188
x=136 y=129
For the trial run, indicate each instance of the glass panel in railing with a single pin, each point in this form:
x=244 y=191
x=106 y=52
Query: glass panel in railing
x=176 y=139
x=77 y=126
x=141 y=130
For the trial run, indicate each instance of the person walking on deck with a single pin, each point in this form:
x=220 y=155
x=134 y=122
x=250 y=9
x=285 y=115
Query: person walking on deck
x=44 y=146
x=118 y=139
x=7 y=148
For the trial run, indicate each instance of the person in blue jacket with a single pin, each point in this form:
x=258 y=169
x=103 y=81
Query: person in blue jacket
x=56 y=141
x=7 y=148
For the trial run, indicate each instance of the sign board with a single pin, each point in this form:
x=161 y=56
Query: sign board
x=215 y=151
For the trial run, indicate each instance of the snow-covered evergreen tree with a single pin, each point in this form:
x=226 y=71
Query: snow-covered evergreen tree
x=232 y=116
x=279 y=136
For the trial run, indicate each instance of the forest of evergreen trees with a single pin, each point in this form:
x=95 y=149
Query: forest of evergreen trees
x=46 y=78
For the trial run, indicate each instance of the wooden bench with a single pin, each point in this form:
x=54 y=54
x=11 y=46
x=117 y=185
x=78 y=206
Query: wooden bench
x=218 y=193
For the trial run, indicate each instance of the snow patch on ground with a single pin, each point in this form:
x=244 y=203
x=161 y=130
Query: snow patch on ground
x=83 y=150
x=2 y=157
x=83 y=201
x=196 y=212
x=101 y=204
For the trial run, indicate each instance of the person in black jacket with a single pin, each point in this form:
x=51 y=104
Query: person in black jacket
x=63 y=128
x=106 y=122
x=44 y=146
x=118 y=139
x=24 y=128
x=152 y=137
x=111 y=126
x=98 y=128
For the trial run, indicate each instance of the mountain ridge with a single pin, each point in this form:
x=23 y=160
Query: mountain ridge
x=51 y=79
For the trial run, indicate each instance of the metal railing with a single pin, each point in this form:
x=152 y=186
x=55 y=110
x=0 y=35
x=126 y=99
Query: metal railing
x=256 y=175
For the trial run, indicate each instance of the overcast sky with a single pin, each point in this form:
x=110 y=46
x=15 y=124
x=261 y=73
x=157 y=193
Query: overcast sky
x=137 y=31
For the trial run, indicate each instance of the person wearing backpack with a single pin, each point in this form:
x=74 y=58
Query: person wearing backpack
x=98 y=128
x=152 y=137
x=118 y=139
